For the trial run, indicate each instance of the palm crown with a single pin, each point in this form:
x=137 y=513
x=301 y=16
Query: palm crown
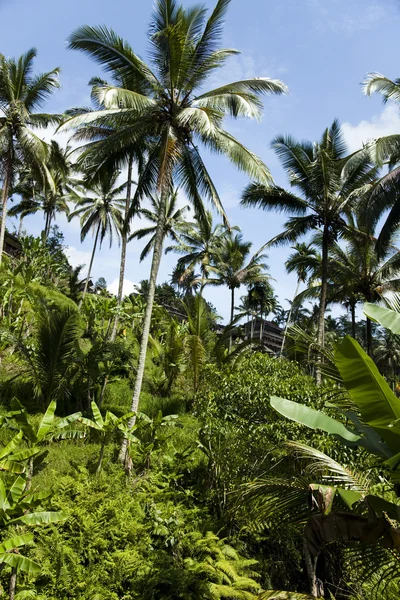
x=21 y=95
x=166 y=103
x=328 y=183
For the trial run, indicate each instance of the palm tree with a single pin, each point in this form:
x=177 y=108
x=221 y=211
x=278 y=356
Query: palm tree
x=97 y=163
x=383 y=194
x=303 y=261
x=101 y=214
x=358 y=273
x=327 y=181
x=234 y=267
x=387 y=356
x=51 y=198
x=199 y=245
x=174 y=222
x=21 y=94
x=187 y=283
x=167 y=105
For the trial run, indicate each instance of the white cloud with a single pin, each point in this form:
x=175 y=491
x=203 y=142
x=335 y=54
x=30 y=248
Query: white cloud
x=128 y=288
x=387 y=123
x=77 y=257
x=340 y=16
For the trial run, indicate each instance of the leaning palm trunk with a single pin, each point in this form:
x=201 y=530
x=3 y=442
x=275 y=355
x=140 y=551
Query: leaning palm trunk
x=90 y=267
x=289 y=319
x=47 y=225
x=322 y=305
x=155 y=265
x=232 y=315
x=124 y=242
x=6 y=190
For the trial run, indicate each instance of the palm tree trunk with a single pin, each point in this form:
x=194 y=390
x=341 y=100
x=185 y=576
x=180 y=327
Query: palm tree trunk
x=21 y=219
x=124 y=242
x=47 y=226
x=353 y=319
x=6 y=191
x=311 y=566
x=322 y=303
x=13 y=583
x=369 y=337
x=289 y=316
x=232 y=314
x=90 y=267
x=155 y=265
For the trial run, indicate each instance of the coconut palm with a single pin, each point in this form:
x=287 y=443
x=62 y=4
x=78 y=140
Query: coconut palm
x=383 y=194
x=387 y=356
x=304 y=261
x=235 y=267
x=166 y=104
x=199 y=245
x=101 y=214
x=97 y=163
x=186 y=283
x=48 y=197
x=21 y=94
x=174 y=222
x=327 y=181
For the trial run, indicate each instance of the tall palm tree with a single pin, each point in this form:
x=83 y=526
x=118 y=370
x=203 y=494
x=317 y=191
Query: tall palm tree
x=93 y=162
x=235 y=267
x=387 y=356
x=199 y=245
x=174 y=222
x=385 y=151
x=358 y=271
x=303 y=261
x=167 y=105
x=48 y=197
x=21 y=94
x=101 y=214
x=327 y=181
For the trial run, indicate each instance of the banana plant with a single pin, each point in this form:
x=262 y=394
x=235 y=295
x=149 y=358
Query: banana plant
x=49 y=429
x=104 y=430
x=343 y=505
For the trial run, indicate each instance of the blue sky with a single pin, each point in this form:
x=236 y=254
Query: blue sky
x=321 y=49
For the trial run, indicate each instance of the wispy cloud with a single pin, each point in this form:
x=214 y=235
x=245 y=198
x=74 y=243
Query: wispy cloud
x=341 y=16
x=386 y=123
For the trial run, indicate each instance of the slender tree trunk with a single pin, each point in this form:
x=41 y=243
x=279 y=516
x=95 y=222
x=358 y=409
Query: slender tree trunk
x=13 y=583
x=124 y=242
x=369 y=337
x=311 y=566
x=155 y=265
x=353 y=319
x=47 y=226
x=289 y=319
x=100 y=463
x=21 y=219
x=6 y=191
x=322 y=303
x=90 y=267
x=232 y=315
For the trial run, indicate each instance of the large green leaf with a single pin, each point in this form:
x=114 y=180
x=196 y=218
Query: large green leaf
x=97 y=415
x=16 y=542
x=22 y=419
x=16 y=490
x=41 y=518
x=314 y=419
x=46 y=422
x=22 y=563
x=386 y=317
x=378 y=405
x=10 y=447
